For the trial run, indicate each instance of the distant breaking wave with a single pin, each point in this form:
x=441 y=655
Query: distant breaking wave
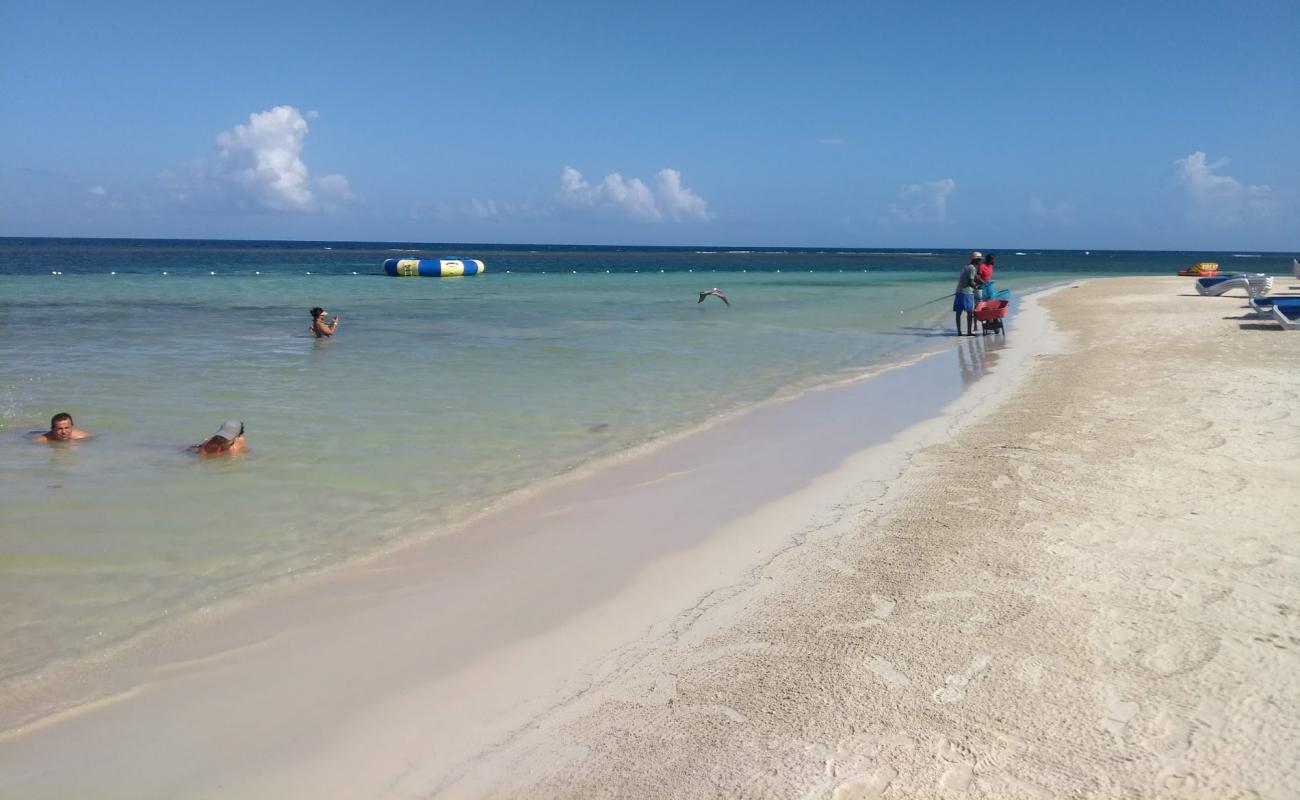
x=1245 y=255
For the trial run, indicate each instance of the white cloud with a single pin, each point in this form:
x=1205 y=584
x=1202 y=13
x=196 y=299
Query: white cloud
x=259 y=166
x=922 y=202
x=1220 y=199
x=679 y=202
x=633 y=198
x=1058 y=213
x=98 y=191
x=335 y=186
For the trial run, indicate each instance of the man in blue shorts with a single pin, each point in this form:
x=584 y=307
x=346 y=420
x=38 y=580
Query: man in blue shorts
x=963 y=300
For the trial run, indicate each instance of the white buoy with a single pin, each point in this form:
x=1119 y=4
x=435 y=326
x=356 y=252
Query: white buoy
x=575 y=272
x=354 y=273
x=212 y=273
x=257 y=273
x=112 y=273
x=308 y=273
x=164 y=273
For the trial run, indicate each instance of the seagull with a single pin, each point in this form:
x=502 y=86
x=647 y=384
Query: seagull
x=714 y=292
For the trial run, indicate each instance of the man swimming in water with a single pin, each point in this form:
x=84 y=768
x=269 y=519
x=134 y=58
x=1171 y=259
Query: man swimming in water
x=62 y=429
x=714 y=292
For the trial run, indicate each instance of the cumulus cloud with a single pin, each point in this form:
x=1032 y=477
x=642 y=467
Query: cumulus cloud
x=1058 y=213
x=922 y=202
x=1220 y=199
x=259 y=165
x=335 y=186
x=631 y=197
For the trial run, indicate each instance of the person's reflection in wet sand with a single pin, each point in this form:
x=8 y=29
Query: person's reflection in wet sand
x=977 y=356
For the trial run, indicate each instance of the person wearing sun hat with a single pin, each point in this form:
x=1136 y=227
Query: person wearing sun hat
x=227 y=441
x=963 y=298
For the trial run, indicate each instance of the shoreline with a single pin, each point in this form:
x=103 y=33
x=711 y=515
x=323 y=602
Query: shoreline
x=80 y=667
x=183 y=655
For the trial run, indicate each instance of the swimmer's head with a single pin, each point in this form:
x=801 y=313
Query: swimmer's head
x=316 y=312
x=61 y=426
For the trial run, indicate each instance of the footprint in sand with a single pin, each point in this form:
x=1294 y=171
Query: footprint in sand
x=1116 y=716
x=870 y=787
x=1030 y=669
x=1119 y=644
x=884 y=606
x=1173 y=741
x=841 y=567
x=959 y=765
x=955 y=689
x=1002 y=758
x=1181 y=654
x=887 y=672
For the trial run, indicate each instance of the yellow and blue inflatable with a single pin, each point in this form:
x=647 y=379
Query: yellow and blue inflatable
x=432 y=268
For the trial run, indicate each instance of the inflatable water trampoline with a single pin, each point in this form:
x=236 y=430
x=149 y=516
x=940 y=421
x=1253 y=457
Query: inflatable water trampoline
x=433 y=267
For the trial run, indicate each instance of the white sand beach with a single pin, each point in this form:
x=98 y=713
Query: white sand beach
x=1079 y=578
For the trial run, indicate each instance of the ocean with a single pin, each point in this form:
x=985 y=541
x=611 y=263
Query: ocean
x=437 y=398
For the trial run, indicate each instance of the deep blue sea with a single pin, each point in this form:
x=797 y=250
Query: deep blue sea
x=437 y=398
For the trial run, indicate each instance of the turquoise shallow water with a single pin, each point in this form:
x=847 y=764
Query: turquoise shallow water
x=436 y=398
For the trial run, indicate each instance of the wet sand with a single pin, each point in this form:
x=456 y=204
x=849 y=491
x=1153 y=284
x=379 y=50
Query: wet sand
x=1028 y=591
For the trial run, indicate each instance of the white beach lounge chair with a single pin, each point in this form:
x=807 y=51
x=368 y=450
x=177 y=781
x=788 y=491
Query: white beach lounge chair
x=1288 y=316
x=1254 y=284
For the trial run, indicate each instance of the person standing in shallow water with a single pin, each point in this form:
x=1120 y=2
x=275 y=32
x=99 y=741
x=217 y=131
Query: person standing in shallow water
x=963 y=298
x=985 y=272
x=319 y=327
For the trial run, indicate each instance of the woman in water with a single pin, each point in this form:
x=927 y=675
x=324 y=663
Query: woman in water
x=319 y=327
x=227 y=441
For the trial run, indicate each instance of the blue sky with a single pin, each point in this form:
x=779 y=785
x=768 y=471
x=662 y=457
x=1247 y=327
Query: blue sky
x=1161 y=125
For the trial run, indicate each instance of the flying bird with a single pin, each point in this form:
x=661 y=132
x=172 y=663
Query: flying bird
x=714 y=292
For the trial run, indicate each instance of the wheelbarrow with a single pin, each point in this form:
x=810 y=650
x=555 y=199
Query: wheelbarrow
x=991 y=314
